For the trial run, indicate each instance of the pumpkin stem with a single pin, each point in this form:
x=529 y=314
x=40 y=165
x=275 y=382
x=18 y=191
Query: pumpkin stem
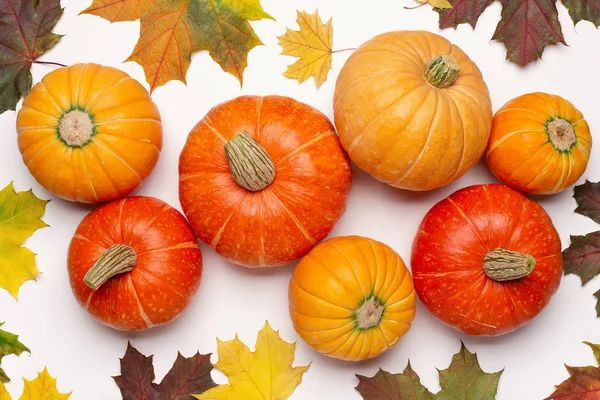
x=76 y=128
x=506 y=265
x=369 y=314
x=561 y=134
x=442 y=71
x=251 y=166
x=118 y=259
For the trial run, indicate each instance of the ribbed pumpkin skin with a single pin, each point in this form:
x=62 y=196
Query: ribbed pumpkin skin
x=282 y=222
x=333 y=280
x=165 y=278
x=124 y=149
x=398 y=127
x=449 y=249
x=520 y=154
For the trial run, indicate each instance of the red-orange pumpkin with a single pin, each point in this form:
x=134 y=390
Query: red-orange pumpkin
x=262 y=179
x=134 y=263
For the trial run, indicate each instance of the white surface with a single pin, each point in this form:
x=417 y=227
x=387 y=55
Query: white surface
x=84 y=355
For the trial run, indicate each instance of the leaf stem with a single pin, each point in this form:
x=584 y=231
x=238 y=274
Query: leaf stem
x=49 y=63
x=415 y=7
x=341 y=50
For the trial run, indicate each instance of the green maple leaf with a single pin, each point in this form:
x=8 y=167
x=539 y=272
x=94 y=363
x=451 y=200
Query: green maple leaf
x=462 y=380
x=25 y=34
x=9 y=344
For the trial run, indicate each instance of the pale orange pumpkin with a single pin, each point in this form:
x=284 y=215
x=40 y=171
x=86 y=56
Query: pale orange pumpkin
x=540 y=144
x=89 y=133
x=412 y=110
x=352 y=298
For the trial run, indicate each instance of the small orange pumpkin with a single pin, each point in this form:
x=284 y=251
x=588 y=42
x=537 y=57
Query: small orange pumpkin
x=412 y=110
x=89 y=133
x=352 y=298
x=540 y=144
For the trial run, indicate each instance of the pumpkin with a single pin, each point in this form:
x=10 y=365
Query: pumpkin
x=486 y=260
x=412 y=110
x=351 y=298
x=134 y=263
x=89 y=133
x=262 y=179
x=540 y=144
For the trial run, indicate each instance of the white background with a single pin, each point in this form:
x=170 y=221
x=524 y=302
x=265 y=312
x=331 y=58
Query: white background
x=84 y=355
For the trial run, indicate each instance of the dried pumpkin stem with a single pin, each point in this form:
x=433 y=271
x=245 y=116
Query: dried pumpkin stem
x=506 y=265
x=369 y=314
x=561 y=134
x=76 y=128
x=118 y=259
x=251 y=166
x=442 y=71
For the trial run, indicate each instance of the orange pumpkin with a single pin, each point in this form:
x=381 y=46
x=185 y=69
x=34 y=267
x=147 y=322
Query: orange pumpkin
x=89 y=133
x=262 y=179
x=539 y=144
x=412 y=110
x=134 y=263
x=352 y=298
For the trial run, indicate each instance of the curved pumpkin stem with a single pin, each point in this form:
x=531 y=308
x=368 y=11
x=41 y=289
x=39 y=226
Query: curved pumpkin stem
x=442 y=71
x=118 y=259
x=506 y=265
x=251 y=166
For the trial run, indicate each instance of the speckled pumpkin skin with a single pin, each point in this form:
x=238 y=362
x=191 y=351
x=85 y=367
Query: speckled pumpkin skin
x=401 y=129
x=448 y=252
x=282 y=222
x=127 y=136
x=165 y=278
x=333 y=280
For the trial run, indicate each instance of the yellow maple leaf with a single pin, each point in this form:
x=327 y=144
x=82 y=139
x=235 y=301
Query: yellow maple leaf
x=263 y=374
x=312 y=44
x=441 y=4
x=119 y=10
x=20 y=217
x=41 y=388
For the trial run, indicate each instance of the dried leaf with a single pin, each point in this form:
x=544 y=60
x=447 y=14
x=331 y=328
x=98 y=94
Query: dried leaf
x=583 y=383
x=20 y=217
x=597 y=296
x=463 y=11
x=263 y=374
x=187 y=376
x=4 y=395
x=385 y=386
x=312 y=44
x=25 y=34
x=440 y=4
x=42 y=388
x=582 y=257
x=584 y=10
x=587 y=196
x=9 y=344
x=596 y=349
x=462 y=380
x=171 y=31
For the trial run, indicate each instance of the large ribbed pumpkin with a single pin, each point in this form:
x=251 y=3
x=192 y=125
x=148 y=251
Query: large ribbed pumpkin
x=412 y=110
x=89 y=133
x=540 y=143
x=352 y=298
x=262 y=179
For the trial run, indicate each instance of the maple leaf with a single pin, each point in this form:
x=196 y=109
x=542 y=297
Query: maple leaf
x=386 y=386
x=263 y=374
x=583 y=383
x=583 y=10
x=41 y=388
x=171 y=31
x=20 y=217
x=187 y=376
x=312 y=44
x=25 y=34
x=587 y=196
x=582 y=257
x=463 y=379
x=9 y=344
x=462 y=11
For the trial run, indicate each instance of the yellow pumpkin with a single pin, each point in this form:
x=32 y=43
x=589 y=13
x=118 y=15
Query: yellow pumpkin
x=412 y=110
x=352 y=298
x=89 y=133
